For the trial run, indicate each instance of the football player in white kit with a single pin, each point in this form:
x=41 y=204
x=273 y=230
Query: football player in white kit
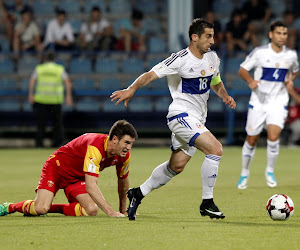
x=276 y=67
x=191 y=73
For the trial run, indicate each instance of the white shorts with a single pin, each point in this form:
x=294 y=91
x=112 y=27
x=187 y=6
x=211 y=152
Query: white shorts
x=265 y=115
x=185 y=129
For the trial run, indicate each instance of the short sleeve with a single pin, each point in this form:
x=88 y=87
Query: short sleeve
x=295 y=65
x=250 y=61
x=92 y=161
x=169 y=66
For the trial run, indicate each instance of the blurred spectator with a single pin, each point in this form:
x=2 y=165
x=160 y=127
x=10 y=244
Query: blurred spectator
x=132 y=33
x=258 y=15
x=59 y=33
x=27 y=34
x=289 y=19
x=10 y=15
x=211 y=17
x=293 y=120
x=237 y=34
x=46 y=93
x=97 y=33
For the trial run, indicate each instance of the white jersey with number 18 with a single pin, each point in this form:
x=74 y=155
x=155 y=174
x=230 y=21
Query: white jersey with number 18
x=189 y=80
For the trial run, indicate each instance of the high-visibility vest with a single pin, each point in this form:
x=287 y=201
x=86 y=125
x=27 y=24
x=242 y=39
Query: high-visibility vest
x=49 y=87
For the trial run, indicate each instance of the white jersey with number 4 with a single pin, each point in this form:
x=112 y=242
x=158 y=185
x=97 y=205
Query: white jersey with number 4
x=189 y=80
x=271 y=69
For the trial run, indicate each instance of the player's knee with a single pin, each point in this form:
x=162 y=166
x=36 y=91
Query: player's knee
x=41 y=209
x=91 y=210
x=218 y=149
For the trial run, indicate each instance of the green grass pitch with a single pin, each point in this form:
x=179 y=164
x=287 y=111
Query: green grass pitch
x=169 y=217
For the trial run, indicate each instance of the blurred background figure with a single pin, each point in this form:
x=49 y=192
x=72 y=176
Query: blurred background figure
x=258 y=15
x=293 y=120
x=11 y=15
x=211 y=17
x=27 y=34
x=46 y=93
x=96 y=33
x=132 y=33
x=236 y=33
x=59 y=33
x=289 y=21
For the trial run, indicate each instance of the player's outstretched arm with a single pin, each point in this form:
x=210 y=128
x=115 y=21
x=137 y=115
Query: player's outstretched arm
x=94 y=191
x=126 y=94
x=220 y=90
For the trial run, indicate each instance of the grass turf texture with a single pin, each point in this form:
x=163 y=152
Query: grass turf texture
x=169 y=217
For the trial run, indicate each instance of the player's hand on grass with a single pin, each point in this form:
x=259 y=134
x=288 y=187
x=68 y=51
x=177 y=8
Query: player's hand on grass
x=122 y=95
x=116 y=214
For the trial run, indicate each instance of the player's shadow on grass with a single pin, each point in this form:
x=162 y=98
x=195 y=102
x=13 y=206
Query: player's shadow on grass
x=259 y=224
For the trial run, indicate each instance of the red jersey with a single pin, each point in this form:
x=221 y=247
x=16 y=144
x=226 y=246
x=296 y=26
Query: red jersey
x=87 y=154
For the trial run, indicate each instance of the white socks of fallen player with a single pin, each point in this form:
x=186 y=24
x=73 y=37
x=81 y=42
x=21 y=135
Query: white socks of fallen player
x=247 y=156
x=160 y=176
x=272 y=154
x=209 y=173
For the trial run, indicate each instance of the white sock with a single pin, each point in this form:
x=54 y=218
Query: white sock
x=160 y=176
x=272 y=154
x=247 y=156
x=209 y=173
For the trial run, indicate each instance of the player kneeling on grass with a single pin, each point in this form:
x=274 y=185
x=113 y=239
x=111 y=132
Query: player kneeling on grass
x=75 y=167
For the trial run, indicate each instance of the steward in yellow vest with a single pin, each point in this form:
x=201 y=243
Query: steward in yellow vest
x=47 y=85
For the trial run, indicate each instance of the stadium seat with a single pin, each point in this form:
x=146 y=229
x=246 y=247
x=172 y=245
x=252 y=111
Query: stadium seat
x=8 y=85
x=132 y=66
x=233 y=65
x=5 y=47
x=76 y=25
x=161 y=104
x=27 y=107
x=119 y=6
x=89 y=4
x=83 y=84
x=278 y=7
x=156 y=45
x=159 y=84
x=154 y=61
x=223 y=8
x=70 y=6
x=152 y=26
x=146 y=6
x=6 y=66
x=87 y=105
x=43 y=7
x=215 y=104
x=25 y=85
x=106 y=66
x=66 y=108
x=80 y=66
x=242 y=103
x=239 y=84
x=109 y=106
x=110 y=84
x=27 y=64
x=9 y=105
x=140 y=104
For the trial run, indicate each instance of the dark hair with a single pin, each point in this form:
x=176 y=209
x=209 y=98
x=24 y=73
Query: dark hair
x=121 y=128
x=60 y=11
x=95 y=8
x=49 y=56
x=276 y=24
x=137 y=14
x=197 y=27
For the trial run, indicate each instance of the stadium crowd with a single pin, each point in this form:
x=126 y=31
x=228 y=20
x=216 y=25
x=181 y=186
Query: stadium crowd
x=135 y=28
